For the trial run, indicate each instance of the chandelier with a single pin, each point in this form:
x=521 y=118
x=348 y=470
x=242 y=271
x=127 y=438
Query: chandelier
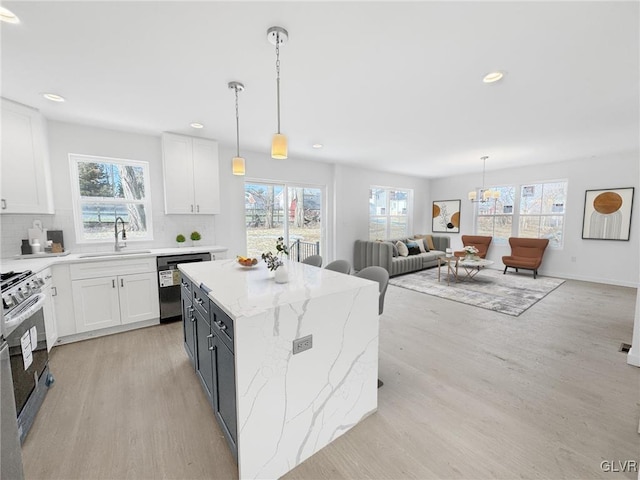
x=486 y=194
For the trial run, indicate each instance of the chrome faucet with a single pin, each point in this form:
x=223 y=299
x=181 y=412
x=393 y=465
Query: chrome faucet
x=119 y=245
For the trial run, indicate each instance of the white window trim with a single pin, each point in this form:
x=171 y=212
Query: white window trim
x=324 y=232
x=516 y=215
x=74 y=158
x=409 y=215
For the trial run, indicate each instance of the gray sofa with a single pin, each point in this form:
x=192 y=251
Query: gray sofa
x=368 y=252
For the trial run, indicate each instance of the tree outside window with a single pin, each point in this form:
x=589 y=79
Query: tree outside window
x=106 y=189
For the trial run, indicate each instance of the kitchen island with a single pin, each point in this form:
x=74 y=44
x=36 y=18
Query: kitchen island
x=287 y=406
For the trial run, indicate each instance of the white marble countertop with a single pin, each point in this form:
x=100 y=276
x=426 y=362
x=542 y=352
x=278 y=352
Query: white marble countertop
x=39 y=262
x=244 y=292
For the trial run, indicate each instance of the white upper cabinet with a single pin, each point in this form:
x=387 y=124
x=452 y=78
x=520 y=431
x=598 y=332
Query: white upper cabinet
x=191 y=176
x=26 y=175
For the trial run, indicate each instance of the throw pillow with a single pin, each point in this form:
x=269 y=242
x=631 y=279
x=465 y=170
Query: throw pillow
x=413 y=248
x=427 y=246
x=403 y=251
x=420 y=243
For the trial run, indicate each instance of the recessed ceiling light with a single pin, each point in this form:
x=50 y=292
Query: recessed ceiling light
x=197 y=125
x=53 y=97
x=317 y=145
x=492 y=77
x=8 y=16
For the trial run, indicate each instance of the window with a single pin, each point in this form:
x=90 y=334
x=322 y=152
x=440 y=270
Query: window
x=534 y=210
x=388 y=213
x=107 y=188
x=293 y=212
x=495 y=218
x=542 y=211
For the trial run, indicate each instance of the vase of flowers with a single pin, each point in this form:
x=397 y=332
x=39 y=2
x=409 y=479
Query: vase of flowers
x=471 y=253
x=275 y=263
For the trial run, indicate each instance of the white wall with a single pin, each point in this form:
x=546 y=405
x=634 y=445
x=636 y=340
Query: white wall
x=352 y=204
x=605 y=261
x=347 y=202
x=230 y=227
x=65 y=138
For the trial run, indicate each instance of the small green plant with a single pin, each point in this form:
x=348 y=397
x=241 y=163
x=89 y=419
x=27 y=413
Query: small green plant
x=195 y=236
x=180 y=238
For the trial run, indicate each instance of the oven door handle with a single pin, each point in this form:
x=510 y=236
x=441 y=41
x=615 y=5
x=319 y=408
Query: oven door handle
x=30 y=307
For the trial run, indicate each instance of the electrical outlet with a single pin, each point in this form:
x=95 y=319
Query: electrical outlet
x=302 y=344
x=573 y=259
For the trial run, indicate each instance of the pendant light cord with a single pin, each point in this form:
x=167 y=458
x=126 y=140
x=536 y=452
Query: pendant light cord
x=237 y=125
x=278 y=75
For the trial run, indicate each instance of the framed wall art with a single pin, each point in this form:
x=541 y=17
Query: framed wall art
x=607 y=214
x=446 y=216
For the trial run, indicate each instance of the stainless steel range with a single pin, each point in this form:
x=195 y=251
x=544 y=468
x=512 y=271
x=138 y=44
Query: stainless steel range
x=23 y=329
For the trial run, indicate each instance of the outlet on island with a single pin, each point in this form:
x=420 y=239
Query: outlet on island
x=302 y=344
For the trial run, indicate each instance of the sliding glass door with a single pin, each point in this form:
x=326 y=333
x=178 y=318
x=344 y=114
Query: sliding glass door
x=294 y=212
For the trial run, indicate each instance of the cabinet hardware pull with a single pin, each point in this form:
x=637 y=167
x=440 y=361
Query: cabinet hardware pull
x=199 y=301
x=121 y=282
x=54 y=292
x=209 y=344
x=113 y=283
x=198 y=208
x=4 y=204
x=192 y=208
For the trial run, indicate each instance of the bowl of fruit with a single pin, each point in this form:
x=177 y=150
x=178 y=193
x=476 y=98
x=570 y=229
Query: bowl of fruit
x=247 y=262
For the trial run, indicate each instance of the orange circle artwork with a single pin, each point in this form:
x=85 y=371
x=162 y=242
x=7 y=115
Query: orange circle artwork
x=436 y=210
x=455 y=219
x=607 y=202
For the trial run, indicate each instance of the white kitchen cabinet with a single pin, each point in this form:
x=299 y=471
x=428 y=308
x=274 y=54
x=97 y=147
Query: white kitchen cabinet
x=48 y=308
x=96 y=303
x=112 y=293
x=26 y=174
x=191 y=175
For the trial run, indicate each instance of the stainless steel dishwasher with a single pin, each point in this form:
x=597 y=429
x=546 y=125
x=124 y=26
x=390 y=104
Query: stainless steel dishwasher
x=169 y=283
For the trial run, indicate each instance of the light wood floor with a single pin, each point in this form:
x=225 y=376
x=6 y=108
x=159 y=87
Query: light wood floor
x=468 y=393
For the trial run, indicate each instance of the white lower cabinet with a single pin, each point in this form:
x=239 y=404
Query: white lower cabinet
x=108 y=301
x=48 y=308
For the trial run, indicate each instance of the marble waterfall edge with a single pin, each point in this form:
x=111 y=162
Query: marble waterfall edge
x=291 y=406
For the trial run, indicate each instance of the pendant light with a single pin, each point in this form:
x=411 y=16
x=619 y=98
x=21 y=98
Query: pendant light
x=278 y=36
x=237 y=164
x=487 y=194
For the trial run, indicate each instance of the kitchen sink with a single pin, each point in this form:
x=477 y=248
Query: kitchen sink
x=113 y=254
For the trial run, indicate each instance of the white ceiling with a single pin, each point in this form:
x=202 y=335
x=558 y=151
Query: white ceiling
x=394 y=86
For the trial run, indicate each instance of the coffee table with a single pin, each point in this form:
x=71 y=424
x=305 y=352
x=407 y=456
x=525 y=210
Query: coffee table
x=452 y=267
x=471 y=267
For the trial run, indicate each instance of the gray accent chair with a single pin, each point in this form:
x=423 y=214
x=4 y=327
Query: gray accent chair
x=315 y=260
x=341 y=266
x=380 y=275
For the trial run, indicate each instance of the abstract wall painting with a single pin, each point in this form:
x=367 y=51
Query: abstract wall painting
x=607 y=214
x=446 y=216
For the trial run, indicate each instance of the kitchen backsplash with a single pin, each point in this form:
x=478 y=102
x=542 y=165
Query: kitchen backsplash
x=165 y=228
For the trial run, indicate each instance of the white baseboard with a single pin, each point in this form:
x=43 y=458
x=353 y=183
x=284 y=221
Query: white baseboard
x=78 y=337
x=633 y=358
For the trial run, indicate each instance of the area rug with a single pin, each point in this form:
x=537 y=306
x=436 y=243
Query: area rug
x=511 y=294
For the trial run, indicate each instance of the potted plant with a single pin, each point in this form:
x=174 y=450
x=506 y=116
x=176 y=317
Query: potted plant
x=181 y=239
x=274 y=261
x=195 y=237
